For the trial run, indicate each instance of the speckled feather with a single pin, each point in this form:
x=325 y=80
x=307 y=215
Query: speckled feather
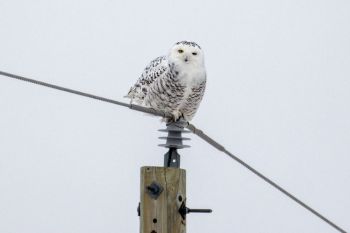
x=173 y=84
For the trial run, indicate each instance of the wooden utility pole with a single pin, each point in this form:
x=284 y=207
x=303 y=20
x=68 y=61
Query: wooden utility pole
x=163 y=189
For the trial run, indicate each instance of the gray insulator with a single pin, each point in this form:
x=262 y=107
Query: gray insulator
x=173 y=142
x=174 y=138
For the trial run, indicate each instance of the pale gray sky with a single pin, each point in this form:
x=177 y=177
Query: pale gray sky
x=278 y=96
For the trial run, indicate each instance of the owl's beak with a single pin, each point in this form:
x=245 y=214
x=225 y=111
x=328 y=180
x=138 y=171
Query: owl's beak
x=186 y=59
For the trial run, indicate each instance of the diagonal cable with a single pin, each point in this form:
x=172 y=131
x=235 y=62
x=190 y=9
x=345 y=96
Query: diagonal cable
x=212 y=142
x=131 y=106
x=189 y=126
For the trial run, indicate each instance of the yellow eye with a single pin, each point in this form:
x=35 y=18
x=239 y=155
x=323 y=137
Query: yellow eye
x=180 y=51
x=194 y=53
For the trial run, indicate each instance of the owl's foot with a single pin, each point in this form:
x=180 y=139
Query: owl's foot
x=175 y=117
x=179 y=119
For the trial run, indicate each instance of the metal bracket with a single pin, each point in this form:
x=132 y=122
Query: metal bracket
x=172 y=158
x=139 y=209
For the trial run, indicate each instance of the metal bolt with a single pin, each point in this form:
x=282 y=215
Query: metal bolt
x=154 y=190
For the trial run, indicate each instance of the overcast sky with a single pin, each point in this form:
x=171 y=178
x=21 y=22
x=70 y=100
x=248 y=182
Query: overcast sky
x=278 y=96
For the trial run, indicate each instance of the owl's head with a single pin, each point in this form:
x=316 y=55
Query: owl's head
x=185 y=52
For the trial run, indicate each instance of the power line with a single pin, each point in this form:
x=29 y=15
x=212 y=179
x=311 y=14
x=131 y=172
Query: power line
x=221 y=148
x=131 y=106
x=189 y=126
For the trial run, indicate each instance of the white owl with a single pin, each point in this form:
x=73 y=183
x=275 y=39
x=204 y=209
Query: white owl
x=174 y=83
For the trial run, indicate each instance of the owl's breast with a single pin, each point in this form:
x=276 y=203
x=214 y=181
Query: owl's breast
x=192 y=77
x=191 y=80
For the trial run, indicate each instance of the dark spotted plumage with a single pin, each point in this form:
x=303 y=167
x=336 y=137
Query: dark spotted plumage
x=189 y=43
x=171 y=85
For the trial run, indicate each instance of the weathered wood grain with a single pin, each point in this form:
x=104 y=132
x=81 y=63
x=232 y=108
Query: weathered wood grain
x=161 y=215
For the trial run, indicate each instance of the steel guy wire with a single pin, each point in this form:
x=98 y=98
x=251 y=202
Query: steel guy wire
x=189 y=126
x=221 y=148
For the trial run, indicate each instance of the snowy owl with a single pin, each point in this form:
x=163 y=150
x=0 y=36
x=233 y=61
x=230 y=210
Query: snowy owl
x=174 y=83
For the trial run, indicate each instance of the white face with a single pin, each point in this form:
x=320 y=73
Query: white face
x=186 y=54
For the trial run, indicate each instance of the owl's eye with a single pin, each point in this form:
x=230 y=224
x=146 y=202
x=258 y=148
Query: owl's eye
x=194 y=53
x=180 y=51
